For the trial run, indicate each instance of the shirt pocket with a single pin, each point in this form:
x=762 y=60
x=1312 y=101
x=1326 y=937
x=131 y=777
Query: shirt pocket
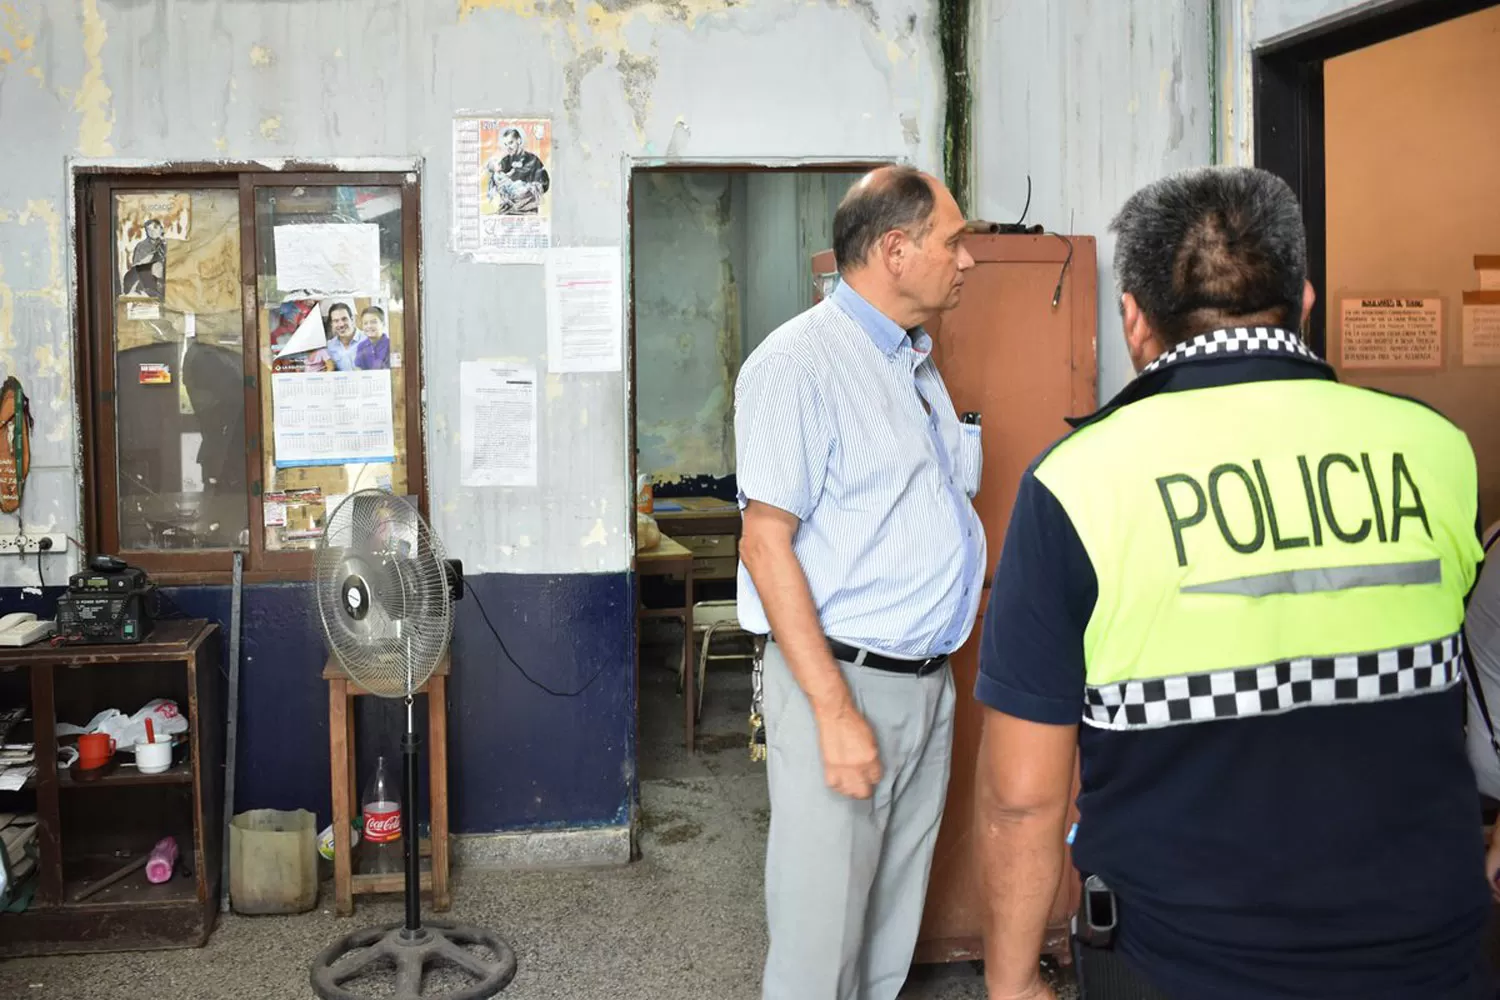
x=970 y=458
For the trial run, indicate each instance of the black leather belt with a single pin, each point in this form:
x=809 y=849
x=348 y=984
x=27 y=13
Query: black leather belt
x=865 y=658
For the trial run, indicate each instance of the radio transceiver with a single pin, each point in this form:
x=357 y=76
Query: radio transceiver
x=105 y=604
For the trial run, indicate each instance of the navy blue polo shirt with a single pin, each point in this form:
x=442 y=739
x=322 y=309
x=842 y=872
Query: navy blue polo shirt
x=1326 y=853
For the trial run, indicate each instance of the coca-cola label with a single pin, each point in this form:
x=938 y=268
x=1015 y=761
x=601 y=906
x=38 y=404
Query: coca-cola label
x=382 y=822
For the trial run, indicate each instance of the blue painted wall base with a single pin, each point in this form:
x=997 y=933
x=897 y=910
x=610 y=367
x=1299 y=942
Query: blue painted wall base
x=519 y=758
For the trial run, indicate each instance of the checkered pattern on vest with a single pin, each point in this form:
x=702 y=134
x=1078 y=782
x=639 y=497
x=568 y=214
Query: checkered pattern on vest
x=1235 y=340
x=1272 y=688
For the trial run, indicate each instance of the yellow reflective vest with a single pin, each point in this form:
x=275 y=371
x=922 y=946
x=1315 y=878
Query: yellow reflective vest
x=1268 y=546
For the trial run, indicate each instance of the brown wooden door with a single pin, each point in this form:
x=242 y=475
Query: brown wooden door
x=1024 y=365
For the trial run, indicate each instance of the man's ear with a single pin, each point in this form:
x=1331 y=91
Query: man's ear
x=893 y=247
x=1140 y=338
x=1309 y=299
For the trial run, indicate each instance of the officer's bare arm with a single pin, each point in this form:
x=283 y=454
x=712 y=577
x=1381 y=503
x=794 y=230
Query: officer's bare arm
x=851 y=762
x=1025 y=776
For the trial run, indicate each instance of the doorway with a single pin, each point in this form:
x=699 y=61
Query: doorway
x=720 y=256
x=1383 y=123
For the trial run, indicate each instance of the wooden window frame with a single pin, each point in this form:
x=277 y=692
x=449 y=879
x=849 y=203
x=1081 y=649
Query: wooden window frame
x=94 y=360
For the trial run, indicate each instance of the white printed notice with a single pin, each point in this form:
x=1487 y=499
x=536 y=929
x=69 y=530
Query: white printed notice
x=330 y=418
x=497 y=424
x=1391 y=333
x=583 y=309
x=1481 y=329
x=328 y=259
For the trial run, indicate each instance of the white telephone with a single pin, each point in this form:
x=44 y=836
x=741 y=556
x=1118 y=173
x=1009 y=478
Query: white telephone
x=21 y=628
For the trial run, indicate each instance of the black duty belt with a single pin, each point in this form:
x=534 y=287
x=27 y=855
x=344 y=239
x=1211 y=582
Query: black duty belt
x=864 y=658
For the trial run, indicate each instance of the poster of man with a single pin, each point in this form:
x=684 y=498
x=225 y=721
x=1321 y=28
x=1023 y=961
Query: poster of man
x=516 y=178
x=502 y=187
x=143 y=225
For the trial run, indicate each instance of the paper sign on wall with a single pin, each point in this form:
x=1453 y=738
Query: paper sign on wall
x=502 y=188
x=328 y=258
x=583 y=309
x=1394 y=332
x=1481 y=328
x=332 y=418
x=1488 y=266
x=497 y=424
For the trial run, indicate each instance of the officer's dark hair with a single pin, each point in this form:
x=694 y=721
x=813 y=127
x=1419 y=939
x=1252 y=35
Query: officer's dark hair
x=885 y=199
x=1212 y=247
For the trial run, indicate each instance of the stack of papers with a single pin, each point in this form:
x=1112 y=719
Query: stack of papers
x=17 y=756
x=17 y=854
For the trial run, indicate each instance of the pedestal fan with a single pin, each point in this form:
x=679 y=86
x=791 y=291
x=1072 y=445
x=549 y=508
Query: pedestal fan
x=385 y=595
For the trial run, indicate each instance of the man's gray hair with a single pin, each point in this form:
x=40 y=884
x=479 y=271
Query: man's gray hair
x=885 y=199
x=1206 y=247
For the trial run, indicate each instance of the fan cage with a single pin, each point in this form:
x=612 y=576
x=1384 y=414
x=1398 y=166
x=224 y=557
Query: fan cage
x=382 y=592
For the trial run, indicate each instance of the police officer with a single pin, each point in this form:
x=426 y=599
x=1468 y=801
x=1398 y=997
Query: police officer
x=1246 y=580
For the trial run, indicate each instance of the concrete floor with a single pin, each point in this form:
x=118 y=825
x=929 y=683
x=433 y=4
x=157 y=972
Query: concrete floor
x=684 y=922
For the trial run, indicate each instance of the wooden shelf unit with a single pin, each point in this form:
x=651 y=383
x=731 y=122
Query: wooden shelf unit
x=88 y=829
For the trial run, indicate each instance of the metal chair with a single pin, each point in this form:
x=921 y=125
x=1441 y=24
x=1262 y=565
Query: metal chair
x=713 y=618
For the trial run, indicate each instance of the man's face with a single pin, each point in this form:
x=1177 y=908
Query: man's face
x=934 y=267
x=370 y=324
x=513 y=144
x=343 y=325
x=153 y=230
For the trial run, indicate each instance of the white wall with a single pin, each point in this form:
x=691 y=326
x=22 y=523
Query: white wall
x=245 y=79
x=1093 y=98
x=1244 y=24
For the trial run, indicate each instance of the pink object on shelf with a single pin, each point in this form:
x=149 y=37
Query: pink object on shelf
x=162 y=860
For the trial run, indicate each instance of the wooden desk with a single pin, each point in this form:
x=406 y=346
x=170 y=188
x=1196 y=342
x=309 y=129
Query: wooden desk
x=666 y=557
x=698 y=516
x=708 y=526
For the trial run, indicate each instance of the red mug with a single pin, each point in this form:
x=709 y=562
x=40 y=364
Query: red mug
x=95 y=749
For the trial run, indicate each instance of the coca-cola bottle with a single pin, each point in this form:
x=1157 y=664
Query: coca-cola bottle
x=381 y=850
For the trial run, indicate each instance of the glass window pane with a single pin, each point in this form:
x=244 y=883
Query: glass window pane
x=179 y=370
x=332 y=338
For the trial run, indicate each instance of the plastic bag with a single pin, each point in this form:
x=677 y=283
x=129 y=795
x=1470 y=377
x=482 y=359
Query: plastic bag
x=128 y=730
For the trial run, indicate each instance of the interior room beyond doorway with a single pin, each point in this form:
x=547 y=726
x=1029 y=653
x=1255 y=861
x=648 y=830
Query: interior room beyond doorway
x=1412 y=148
x=720 y=258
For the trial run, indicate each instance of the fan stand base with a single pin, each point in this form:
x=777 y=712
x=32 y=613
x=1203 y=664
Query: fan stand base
x=408 y=956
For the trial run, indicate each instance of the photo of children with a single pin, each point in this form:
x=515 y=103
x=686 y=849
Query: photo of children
x=349 y=334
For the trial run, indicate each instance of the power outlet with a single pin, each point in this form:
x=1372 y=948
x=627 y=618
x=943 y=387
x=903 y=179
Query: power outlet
x=33 y=542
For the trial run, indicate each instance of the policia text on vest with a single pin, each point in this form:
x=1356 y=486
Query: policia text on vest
x=1248 y=515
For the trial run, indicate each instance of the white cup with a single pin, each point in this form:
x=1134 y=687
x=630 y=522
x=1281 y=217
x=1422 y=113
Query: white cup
x=154 y=758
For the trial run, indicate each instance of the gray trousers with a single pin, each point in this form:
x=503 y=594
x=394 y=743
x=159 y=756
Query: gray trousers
x=846 y=879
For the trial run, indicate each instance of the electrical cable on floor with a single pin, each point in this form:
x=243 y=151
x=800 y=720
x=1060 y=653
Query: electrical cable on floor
x=522 y=670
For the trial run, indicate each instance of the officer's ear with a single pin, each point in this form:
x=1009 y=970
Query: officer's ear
x=1140 y=338
x=1309 y=299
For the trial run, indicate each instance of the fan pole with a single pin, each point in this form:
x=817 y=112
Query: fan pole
x=409 y=744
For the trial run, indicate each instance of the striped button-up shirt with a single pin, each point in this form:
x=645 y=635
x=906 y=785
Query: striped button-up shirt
x=842 y=419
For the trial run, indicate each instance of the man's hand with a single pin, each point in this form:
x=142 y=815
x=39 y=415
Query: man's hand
x=851 y=759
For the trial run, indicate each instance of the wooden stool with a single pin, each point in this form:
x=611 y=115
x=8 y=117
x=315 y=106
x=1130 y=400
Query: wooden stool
x=346 y=884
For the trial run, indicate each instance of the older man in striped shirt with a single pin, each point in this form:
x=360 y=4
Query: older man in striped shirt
x=862 y=559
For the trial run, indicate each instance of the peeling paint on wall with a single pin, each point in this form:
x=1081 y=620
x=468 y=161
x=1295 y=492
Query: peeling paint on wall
x=93 y=98
x=261 y=56
x=19 y=41
x=637 y=75
x=270 y=127
x=45 y=212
